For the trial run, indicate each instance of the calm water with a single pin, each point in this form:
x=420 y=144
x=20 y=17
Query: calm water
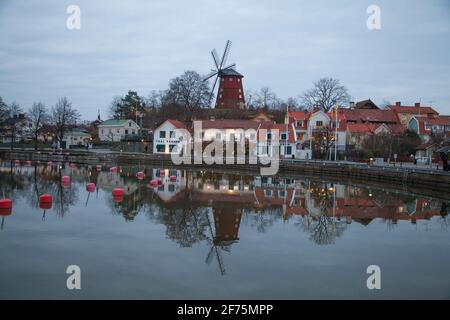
x=214 y=235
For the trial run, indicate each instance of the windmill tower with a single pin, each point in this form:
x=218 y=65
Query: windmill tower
x=231 y=93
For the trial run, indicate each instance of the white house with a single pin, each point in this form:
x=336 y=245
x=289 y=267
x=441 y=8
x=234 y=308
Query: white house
x=164 y=140
x=114 y=130
x=76 y=138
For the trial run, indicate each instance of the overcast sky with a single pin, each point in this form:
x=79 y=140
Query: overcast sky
x=285 y=45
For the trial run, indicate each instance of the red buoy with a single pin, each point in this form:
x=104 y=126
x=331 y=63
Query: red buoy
x=117 y=198
x=154 y=182
x=28 y=162
x=113 y=169
x=173 y=178
x=90 y=187
x=117 y=192
x=45 y=198
x=140 y=175
x=49 y=163
x=17 y=162
x=5 y=212
x=162 y=172
x=65 y=179
x=5 y=203
x=45 y=205
x=98 y=167
x=159 y=181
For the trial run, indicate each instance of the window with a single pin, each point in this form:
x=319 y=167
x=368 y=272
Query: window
x=171 y=188
x=160 y=148
x=289 y=150
x=231 y=79
x=162 y=134
x=281 y=194
x=319 y=123
x=240 y=96
x=283 y=136
x=126 y=131
x=427 y=126
x=132 y=131
x=268 y=193
x=171 y=134
x=118 y=130
x=269 y=136
x=172 y=147
x=129 y=124
x=238 y=80
x=299 y=123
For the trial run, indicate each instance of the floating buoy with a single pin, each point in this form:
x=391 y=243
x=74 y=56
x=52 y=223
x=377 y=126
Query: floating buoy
x=117 y=198
x=162 y=172
x=45 y=198
x=117 y=192
x=173 y=178
x=49 y=163
x=45 y=205
x=65 y=179
x=98 y=167
x=5 y=212
x=28 y=162
x=90 y=187
x=159 y=181
x=113 y=169
x=154 y=182
x=140 y=175
x=5 y=203
x=17 y=162
x=72 y=165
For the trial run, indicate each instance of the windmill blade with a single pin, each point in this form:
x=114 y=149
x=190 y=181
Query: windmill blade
x=210 y=256
x=225 y=54
x=210 y=75
x=212 y=90
x=231 y=66
x=215 y=58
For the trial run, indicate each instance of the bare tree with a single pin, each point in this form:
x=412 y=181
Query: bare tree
x=38 y=116
x=190 y=92
x=325 y=94
x=63 y=117
x=266 y=98
x=14 y=121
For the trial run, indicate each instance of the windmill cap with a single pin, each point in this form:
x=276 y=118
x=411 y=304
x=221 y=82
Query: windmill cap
x=230 y=72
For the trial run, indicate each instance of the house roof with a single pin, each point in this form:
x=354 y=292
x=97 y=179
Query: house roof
x=177 y=124
x=366 y=104
x=440 y=120
x=230 y=72
x=359 y=128
x=114 y=122
x=299 y=115
x=371 y=115
x=413 y=109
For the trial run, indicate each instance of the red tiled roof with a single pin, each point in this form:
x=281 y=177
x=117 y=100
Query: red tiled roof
x=299 y=115
x=440 y=120
x=177 y=124
x=359 y=128
x=413 y=109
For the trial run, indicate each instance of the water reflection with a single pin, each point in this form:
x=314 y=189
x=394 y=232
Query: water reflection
x=210 y=207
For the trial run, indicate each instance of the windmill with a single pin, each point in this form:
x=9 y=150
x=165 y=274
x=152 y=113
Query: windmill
x=230 y=94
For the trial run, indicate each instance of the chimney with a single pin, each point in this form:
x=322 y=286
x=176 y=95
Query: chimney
x=352 y=105
x=417 y=104
x=398 y=104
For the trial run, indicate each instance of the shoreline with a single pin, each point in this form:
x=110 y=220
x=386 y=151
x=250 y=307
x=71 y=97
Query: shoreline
x=405 y=177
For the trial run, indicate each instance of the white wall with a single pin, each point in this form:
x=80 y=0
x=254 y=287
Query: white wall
x=115 y=133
